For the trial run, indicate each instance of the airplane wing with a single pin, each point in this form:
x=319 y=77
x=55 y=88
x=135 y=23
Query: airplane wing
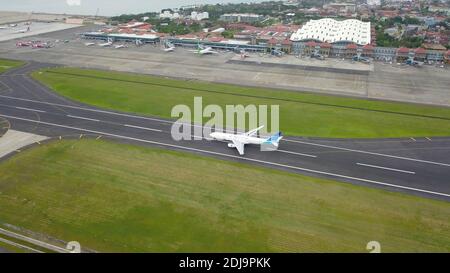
x=239 y=146
x=254 y=131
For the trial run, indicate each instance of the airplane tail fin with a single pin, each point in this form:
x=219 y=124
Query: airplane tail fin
x=275 y=139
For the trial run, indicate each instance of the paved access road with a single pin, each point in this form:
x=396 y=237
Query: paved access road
x=415 y=166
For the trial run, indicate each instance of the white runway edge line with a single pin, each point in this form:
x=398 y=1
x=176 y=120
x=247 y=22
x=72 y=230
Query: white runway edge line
x=29 y=109
x=19 y=245
x=33 y=241
x=77 y=117
x=384 y=168
x=232 y=156
x=170 y=122
x=367 y=152
x=295 y=153
x=143 y=128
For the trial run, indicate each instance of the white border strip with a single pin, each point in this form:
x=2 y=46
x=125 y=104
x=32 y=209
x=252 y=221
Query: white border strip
x=77 y=117
x=29 y=109
x=384 y=168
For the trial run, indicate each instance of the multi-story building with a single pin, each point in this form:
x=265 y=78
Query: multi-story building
x=198 y=16
x=241 y=17
x=167 y=14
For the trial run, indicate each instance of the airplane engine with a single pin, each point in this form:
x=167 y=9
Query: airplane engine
x=231 y=145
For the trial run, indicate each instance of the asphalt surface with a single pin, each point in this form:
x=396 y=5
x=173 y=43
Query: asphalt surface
x=414 y=166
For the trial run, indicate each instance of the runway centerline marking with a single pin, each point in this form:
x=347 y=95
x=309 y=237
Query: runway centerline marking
x=77 y=117
x=171 y=122
x=29 y=109
x=384 y=168
x=233 y=156
x=143 y=128
x=367 y=152
x=295 y=153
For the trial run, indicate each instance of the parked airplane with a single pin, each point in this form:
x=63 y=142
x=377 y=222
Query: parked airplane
x=89 y=44
x=169 y=49
x=40 y=45
x=23 y=30
x=244 y=54
x=238 y=141
x=108 y=43
x=413 y=62
x=359 y=58
x=276 y=52
x=317 y=55
x=13 y=25
x=3 y=27
x=204 y=50
x=119 y=46
x=23 y=44
x=139 y=43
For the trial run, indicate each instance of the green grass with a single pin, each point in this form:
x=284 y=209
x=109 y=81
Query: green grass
x=118 y=197
x=8 y=64
x=302 y=114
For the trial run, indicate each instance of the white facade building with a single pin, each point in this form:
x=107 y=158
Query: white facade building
x=168 y=15
x=332 y=31
x=374 y=2
x=198 y=16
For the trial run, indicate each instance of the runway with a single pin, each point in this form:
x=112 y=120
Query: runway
x=411 y=165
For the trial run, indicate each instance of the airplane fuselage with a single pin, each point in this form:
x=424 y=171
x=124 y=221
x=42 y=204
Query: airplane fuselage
x=241 y=138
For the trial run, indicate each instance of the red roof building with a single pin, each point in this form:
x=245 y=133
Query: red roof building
x=215 y=39
x=420 y=50
x=403 y=50
x=368 y=47
x=286 y=42
x=311 y=44
x=272 y=41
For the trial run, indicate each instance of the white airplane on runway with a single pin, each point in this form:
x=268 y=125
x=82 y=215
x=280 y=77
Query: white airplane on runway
x=119 y=46
x=3 y=27
x=238 y=141
x=169 y=49
x=89 y=44
x=13 y=25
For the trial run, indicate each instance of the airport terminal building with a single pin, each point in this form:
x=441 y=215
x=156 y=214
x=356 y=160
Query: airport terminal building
x=122 y=37
x=347 y=38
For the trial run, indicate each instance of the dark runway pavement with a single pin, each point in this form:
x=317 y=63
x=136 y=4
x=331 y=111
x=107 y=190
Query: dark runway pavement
x=419 y=166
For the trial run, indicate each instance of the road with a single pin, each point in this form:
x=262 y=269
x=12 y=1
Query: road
x=415 y=166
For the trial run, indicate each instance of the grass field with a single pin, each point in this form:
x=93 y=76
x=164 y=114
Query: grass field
x=8 y=64
x=118 y=197
x=302 y=114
